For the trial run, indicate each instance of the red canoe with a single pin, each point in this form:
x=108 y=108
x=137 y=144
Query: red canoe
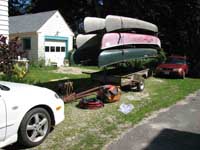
x=111 y=40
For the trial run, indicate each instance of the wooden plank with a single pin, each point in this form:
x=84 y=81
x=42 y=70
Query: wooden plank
x=4 y=2
x=4 y=32
x=2 y=27
x=3 y=12
x=3 y=17
x=4 y=8
x=4 y=22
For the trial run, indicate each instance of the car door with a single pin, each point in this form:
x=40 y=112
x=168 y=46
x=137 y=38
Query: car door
x=2 y=119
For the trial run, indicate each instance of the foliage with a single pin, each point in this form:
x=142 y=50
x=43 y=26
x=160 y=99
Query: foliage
x=18 y=7
x=19 y=71
x=38 y=64
x=8 y=53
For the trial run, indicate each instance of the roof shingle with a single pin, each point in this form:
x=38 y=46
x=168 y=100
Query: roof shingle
x=29 y=22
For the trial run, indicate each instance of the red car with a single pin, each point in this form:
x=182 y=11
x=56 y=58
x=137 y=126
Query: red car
x=174 y=65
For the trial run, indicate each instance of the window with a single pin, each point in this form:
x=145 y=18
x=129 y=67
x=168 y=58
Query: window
x=52 y=49
x=27 y=43
x=46 y=48
x=57 y=49
x=62 y=49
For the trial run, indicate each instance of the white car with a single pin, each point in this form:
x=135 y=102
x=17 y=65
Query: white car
x=27 y=113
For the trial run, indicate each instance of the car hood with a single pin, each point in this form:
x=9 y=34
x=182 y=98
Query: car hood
x=171 y=66
x=24 y=90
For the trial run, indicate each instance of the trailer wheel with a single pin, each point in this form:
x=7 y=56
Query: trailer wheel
x=140 y=86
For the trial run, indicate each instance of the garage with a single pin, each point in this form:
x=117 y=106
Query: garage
x=55 y=51
x=44 y=36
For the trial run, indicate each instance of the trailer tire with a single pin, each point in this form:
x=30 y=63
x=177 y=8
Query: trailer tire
x=140 y=86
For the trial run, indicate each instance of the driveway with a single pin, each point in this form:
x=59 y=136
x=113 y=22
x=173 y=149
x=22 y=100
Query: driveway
x=176 y=128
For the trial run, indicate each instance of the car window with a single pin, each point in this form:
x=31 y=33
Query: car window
x=176 y=61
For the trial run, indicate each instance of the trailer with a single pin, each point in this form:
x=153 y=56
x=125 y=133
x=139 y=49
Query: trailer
x=109 y=80
x=124 y=79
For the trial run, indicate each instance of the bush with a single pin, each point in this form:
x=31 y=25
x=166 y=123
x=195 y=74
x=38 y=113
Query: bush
x=38 y=64
x=8 y=53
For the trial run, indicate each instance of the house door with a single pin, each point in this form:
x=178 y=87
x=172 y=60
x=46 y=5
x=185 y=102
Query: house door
x=2 y=119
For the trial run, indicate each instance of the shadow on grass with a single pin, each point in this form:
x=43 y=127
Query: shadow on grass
x=170 y=139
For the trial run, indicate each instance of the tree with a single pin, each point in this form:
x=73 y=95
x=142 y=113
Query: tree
x=18 y=7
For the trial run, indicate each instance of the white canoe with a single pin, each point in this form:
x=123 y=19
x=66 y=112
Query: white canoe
x=92 y=24
x=114 y=23
x=81 y=39
x=111 y=40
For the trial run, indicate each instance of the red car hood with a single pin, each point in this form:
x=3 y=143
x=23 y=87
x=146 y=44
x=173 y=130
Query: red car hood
x=171 y=66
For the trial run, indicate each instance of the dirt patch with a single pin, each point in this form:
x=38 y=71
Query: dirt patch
x=136 y=96
x=72 y=70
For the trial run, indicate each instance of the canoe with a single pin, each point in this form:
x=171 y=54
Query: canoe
x=111 y=40
x=94 y=24
x=88 y=49
x=115 y=23
x=85 y=40
x=110 y=57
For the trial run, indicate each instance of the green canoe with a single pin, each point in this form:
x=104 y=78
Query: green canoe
x=114 y=56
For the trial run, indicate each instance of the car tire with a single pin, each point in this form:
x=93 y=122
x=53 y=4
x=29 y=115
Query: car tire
x=34 y=127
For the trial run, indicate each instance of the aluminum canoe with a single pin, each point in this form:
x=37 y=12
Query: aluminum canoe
x=114 y=23
x=110 y=57
x=94 y=24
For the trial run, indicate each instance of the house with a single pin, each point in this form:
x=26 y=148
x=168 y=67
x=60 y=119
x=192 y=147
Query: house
x=44 y=36
x=4 y=17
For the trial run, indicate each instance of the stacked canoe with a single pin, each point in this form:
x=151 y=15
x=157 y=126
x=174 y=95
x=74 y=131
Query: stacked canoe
x=115 y=39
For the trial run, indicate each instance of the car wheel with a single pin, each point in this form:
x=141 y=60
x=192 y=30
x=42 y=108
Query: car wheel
x=34 y=127
x=140 y=86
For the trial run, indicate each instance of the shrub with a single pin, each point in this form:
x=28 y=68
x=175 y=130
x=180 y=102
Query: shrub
x=8 y=53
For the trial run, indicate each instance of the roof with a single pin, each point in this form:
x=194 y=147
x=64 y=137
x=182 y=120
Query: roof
x=29 y=22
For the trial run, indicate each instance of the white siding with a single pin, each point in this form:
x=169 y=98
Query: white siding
x=33 y=52
x=56 y=26
x=4 y=17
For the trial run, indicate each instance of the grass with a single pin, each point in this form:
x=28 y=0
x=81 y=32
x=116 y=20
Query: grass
x=95 y=68
x=93 y=129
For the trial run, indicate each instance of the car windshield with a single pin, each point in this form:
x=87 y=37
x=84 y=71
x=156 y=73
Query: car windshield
x=173 y=60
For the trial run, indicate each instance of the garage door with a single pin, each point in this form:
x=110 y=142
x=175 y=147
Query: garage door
x=55 y=51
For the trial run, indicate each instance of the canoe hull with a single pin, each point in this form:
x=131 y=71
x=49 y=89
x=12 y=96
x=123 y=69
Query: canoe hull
x=110 y=57
x=111 y=40
x=114 y=23
x=83 y=41
x=88 y=49
x=94 y=24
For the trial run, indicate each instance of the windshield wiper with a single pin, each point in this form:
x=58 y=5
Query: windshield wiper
x=4 y=88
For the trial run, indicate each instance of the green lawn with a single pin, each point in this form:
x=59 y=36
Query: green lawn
x=93 y=129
